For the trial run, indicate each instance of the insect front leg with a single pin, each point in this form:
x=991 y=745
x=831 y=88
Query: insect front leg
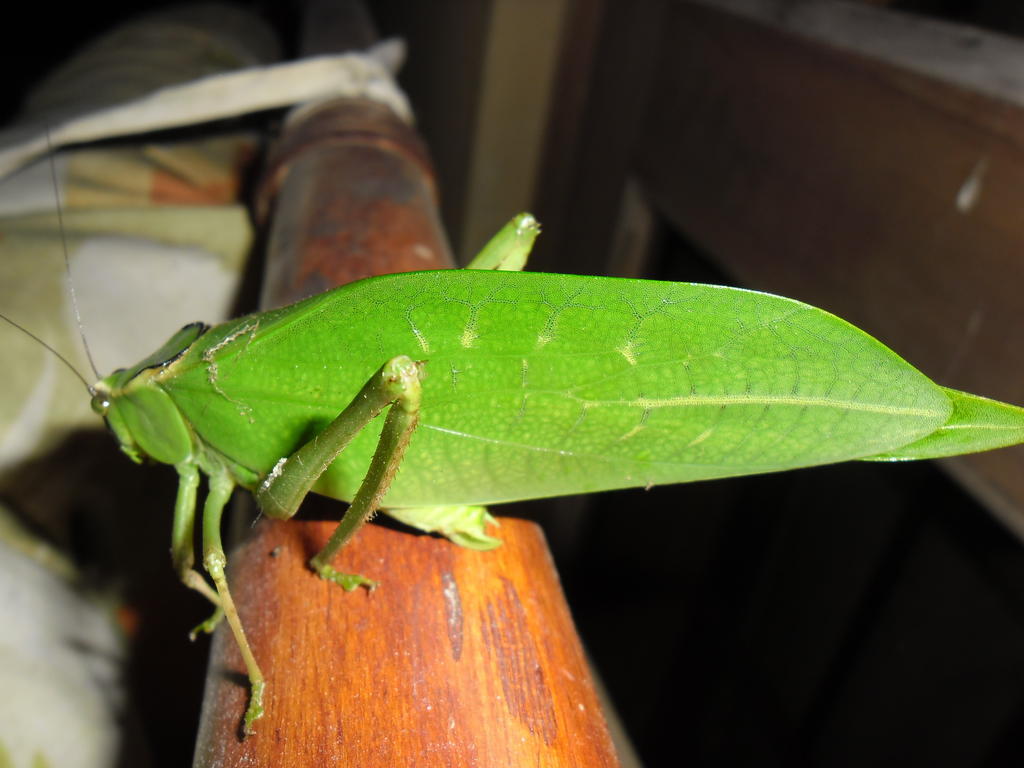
x=182 y=542
x=215 y=562
x=395 y=384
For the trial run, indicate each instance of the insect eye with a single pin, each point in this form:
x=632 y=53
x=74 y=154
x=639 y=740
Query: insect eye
x=100 y=404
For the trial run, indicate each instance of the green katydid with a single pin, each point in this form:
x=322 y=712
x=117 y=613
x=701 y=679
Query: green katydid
x=500 y=386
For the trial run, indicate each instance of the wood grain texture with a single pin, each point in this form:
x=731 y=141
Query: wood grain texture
x=458 y=658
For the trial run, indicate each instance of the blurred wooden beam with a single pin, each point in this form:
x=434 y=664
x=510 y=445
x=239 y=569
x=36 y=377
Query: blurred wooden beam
x=859 y=183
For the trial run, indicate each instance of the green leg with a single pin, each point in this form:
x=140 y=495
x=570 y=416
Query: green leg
x=395 y=384
x=467 y=526
x=509 y=249
x=215 y=562
x=462 y=525
x=182 y=542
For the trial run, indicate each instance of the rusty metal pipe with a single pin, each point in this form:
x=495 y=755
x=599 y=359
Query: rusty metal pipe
x=353 y=195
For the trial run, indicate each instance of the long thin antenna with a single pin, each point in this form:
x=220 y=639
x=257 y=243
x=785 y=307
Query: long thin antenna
x=67 y=268
x=60 y=357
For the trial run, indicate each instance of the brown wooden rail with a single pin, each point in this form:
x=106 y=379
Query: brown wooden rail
x=459 y=658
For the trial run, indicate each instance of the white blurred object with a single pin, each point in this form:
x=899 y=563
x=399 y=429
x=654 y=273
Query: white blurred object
x=60 y=661
x=220 y=96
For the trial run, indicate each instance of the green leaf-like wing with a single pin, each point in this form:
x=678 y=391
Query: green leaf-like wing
x=976 y=424
x=544 y=385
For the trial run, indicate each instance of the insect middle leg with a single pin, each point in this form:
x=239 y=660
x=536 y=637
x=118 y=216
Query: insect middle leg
x=509 y=249
x=395 y=384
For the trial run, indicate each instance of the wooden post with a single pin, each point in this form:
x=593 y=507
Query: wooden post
x=459 y=658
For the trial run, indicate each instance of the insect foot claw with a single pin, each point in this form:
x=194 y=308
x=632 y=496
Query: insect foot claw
x=255 y=710
x=347 y=581
x=207 y=626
